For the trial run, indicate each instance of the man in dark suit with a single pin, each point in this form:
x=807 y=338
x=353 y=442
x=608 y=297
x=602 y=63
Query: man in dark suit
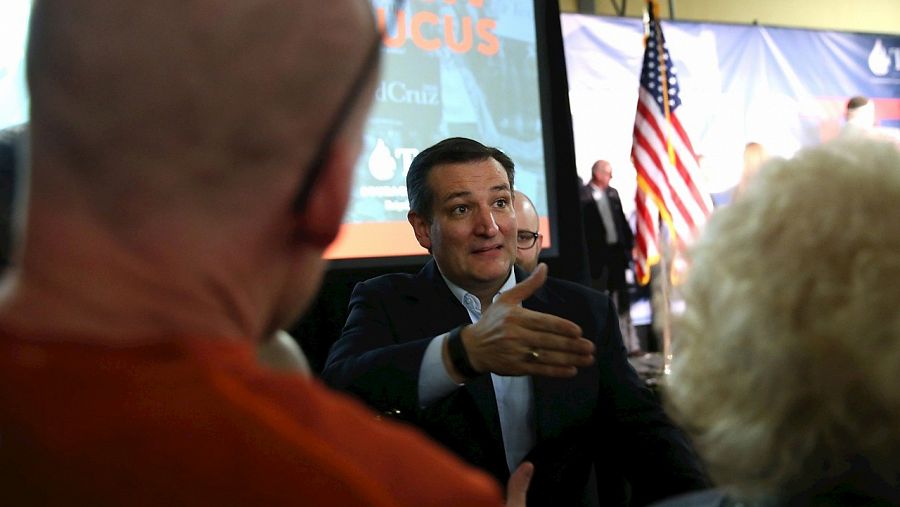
x=502 y=368
x=609 y=242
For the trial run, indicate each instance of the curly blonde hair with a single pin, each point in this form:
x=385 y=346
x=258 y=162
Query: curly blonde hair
x=786 y=365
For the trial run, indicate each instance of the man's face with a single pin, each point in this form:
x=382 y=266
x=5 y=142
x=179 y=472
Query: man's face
x=472 y=234
x=527 y=222
x=602 y=173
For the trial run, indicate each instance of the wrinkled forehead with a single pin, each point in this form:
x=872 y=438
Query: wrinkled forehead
x=478 y=177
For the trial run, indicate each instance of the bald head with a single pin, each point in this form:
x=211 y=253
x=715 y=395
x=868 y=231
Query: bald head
x=527 y=224
x=601 y=173
x=170 y=142
x=187 y=95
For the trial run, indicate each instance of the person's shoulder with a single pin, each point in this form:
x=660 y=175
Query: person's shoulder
x=402 y=283
x=585 y=194
x=389 y=278
x=353 y=440
x=241 y=432
x=391 y=282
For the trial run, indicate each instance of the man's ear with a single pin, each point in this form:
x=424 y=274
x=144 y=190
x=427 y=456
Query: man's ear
x=422 y=229
x=320 y=221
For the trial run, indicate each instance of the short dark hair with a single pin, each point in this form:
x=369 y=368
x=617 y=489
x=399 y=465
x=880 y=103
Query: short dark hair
x=449 y=151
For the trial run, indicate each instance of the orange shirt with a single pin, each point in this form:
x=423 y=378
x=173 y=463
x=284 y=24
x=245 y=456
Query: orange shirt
x=197 y=422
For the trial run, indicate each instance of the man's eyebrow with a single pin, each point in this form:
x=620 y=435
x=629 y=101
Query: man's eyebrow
x=465 y=193
x=454 y=195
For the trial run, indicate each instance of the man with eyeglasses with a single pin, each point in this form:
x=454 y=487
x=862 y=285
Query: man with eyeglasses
x=499 y=365
x=190 y=161
x=528 y=237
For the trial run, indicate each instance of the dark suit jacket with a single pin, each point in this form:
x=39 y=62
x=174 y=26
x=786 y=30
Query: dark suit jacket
x=600 y=254
x=604 y=417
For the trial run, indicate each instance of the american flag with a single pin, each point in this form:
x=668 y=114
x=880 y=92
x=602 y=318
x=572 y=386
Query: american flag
x=667 y=170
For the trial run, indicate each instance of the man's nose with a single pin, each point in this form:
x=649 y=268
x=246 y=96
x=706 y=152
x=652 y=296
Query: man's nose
x=485 y=224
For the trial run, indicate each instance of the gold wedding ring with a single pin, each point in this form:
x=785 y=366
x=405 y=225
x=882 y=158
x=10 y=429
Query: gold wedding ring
x=532 y=356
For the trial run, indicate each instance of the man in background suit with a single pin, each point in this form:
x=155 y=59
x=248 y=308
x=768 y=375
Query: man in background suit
x=499 y=367
x=609 y=242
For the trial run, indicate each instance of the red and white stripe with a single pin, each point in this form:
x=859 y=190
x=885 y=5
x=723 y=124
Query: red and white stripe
x=646 y=235
x=670 y=181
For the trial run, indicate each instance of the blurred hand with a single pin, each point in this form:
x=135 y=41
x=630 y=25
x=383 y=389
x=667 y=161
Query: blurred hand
x=517 y=487
x=511 y=340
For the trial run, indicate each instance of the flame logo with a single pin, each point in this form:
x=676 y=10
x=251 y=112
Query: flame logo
x=879 y=61
x=382 y=165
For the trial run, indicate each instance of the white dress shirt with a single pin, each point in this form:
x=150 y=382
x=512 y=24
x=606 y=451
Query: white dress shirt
x=515 y=402
x=606 y=215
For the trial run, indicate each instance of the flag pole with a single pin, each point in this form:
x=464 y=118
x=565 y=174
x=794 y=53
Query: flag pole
x=665 y=322
x=664 y=159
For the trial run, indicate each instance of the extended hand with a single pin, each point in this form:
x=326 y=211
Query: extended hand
x=511 y=340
